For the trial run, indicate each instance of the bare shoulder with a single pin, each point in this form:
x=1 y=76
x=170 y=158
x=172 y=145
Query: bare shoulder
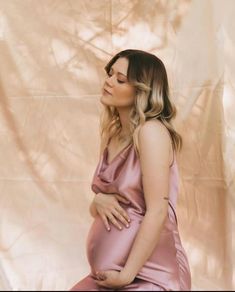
x=154 y=130
x=155 y=142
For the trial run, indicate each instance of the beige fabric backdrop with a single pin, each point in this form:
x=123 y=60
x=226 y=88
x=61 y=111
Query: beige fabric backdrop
x=52 y=54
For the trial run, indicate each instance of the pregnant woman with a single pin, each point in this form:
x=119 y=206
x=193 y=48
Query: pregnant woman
x=134 y=242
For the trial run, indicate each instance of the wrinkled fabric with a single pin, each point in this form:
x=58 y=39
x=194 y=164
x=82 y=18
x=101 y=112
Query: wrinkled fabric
x=52 y=55
x=88 y=284
x=168 y=265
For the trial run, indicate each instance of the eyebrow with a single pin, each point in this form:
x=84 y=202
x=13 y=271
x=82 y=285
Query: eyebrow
x=118 y=72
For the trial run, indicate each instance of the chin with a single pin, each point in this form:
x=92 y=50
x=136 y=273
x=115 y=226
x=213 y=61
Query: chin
x=105 y=101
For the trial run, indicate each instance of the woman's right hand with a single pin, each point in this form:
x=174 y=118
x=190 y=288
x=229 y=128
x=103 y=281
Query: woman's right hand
x=110 y=210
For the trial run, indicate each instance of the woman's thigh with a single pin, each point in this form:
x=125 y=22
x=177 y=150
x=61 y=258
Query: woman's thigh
x=88 y=284
x=142 y=285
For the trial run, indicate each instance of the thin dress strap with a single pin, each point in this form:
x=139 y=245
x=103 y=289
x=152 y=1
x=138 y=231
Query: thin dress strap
x=173 y=151
x=173 y=158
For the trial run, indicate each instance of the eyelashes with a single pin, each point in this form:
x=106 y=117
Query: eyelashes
x=119 y=81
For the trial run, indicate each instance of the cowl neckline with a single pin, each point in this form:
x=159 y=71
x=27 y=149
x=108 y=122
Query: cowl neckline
x=121 y=154
x=108 y=173
x=117 y=156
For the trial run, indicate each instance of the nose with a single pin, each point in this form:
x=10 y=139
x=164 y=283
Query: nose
x=109 y=81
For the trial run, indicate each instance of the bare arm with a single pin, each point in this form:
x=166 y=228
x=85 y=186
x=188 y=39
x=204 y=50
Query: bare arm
x=154 y=148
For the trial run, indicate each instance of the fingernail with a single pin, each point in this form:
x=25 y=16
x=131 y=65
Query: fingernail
x=127 y=225
x=120 y=227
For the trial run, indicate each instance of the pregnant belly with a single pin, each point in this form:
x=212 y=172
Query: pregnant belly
x=110 y=249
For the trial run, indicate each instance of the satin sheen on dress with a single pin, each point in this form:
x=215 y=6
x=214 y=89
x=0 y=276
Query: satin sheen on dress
x=167 y=268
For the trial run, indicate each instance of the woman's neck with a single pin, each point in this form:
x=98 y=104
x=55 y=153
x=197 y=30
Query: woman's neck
x=124 y=137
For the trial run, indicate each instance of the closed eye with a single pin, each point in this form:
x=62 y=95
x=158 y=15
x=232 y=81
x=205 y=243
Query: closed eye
x=119 y=81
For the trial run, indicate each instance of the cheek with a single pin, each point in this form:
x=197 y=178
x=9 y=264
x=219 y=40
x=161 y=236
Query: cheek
x=127 y=94
x=131 y=96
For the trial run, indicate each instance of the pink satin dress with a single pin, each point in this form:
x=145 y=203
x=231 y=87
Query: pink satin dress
x=167 y=268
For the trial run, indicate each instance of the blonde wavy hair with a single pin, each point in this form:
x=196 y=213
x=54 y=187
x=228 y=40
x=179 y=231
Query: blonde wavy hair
x=147 y=74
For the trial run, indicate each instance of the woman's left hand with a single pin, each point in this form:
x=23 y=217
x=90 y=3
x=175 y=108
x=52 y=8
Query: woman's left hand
x=112 y=279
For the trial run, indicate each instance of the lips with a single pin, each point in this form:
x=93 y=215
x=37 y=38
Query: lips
x=106 y=91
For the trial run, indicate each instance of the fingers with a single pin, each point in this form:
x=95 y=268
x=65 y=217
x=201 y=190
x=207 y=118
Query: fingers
x=110 y=210
x=106 y=223
x=114 y=221
x=100 y=276
x=100 y=279
x=121 y=216
x=122 y=199
x=114 y=217
x=102 y=283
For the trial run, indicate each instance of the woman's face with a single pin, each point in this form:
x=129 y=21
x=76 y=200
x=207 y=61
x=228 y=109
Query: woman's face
x=117 y=91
